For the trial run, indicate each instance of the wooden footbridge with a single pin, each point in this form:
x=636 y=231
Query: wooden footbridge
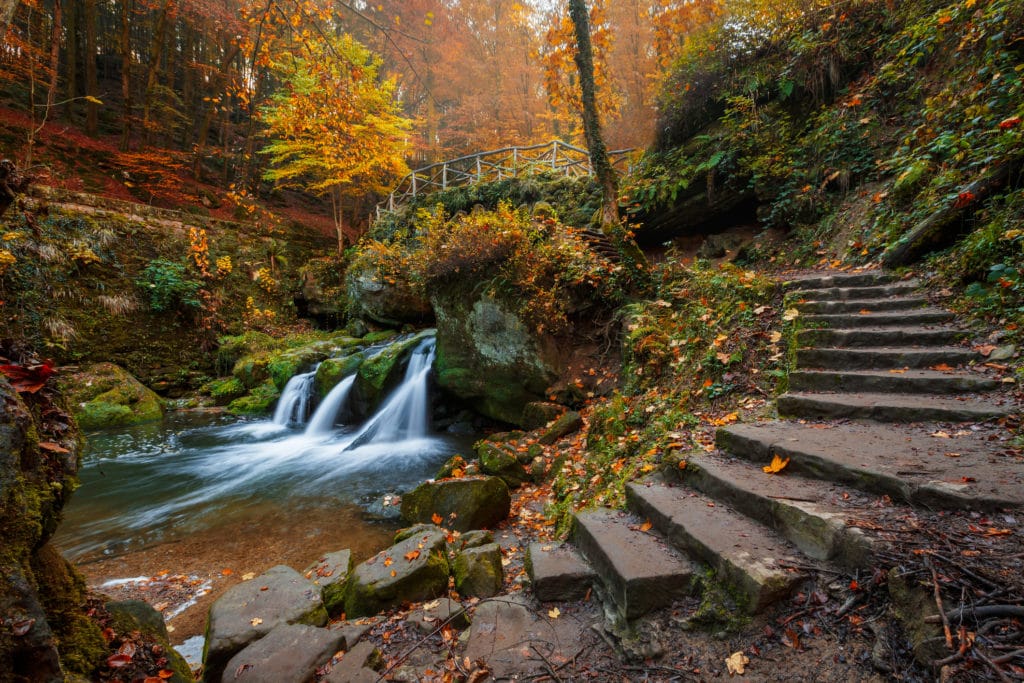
x=508 y=162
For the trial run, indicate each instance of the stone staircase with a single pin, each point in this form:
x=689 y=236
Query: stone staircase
x=879 y=372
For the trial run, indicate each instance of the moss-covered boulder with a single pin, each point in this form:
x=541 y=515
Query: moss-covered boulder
x=259 y=401
x=488 y=356
x=566 y=424
x=105 y=395
x=539 y=413
x=46 y=634
x=501 y=462
x=333 y=370
x=134 y=616
x=411 y=570
x=224 y=390
x=330 y=572
x=478 y=572
x=463 y=504
x=381 y=373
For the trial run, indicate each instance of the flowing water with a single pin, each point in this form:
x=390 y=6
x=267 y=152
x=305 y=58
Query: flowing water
x=206 y=483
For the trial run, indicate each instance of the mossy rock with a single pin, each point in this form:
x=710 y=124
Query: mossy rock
x=234 y=348
x=478 y=571
x=463 y=504
x=333 y=370
x=381 y=373
x=252 y=371
x=224 y=390
x=499 y=461
x=106 y=395
x=259 y=401
x=910 y=181
x=128 y=616
x=286 y=365
x=566 y=424
x=379 y=336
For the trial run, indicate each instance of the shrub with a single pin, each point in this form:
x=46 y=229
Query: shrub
x=168 y=287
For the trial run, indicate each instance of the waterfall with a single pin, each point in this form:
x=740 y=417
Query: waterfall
x=327 y=412
x=405 y=413
x=294 y=402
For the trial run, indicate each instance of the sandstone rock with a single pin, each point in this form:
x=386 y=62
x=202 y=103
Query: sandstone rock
x=463 y=504
x=106 y=395
x=478 y=572
x=488 y=356
x=247 y=612
x=330 y=573
x=414 y=569
x=290 y=652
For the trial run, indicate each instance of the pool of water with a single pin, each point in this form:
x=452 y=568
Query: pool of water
x=198 y=474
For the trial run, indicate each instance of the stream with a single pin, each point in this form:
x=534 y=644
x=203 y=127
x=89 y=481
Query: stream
x=206 y=496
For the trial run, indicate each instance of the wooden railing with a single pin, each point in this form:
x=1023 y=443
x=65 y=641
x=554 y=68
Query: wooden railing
x=508 y=162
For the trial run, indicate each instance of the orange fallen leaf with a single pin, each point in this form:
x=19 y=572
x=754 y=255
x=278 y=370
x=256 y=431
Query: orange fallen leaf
x=52 y=447
x=412 y=555
x=777 y=465
x=227 y=572
x=985 y=349
x=865 y=311
x=942 y=367
x=436 y=519
x=393 y=573
x=646 y=526
x=998 y=532
x=388 y=561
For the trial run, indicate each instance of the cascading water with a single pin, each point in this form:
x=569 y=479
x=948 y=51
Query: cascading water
x=293 y=406
x=326 y=413
x=404 y=414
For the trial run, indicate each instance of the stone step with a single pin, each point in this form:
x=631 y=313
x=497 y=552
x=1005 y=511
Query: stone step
x=812 y=306
x=870 y=292
x=639 y=570
x=891 y=381
x=745 y=554
x=827 y=280
x=889 y=407
x=879 y=336
x=933 y=465
x=809 y=513
x=883 y=358
x=923 y=316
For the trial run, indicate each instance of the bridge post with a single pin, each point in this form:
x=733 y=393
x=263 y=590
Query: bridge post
x=515 y=163
x=478 y=168
x=444 y=176
x=391 y=202
x=414 y=184
x=554 y=155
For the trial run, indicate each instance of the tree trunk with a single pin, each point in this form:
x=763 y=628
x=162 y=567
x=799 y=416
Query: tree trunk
x=231 y=51
x=126 y=72
x=71 y=61
x=55 y=33
x=153 y=68
x=591 y=121
x=92 y=88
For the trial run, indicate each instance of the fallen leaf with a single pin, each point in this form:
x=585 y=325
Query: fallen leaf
x=985 y=349
x=777 y=465
x=165 y=673
x=52 y=447
x=941 y=367
x=865 y=311
x=412 y=555
x=952 y=455
x=775 y=337
x=436 y=519
x=998 y=532
x=791 y=639
x=118 y=660
x=940 y=435
x=255 y=621
x=791 y=314
x=22 y=627
x=554 y=613
x=646 y=526
x=736 y=662
x=248 y=576
x=388 y=561
x=227 y=572
x=393 y=573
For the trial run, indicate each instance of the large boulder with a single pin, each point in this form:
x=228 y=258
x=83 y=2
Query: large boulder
x=252 y=609
x=106 y=395
x=463 y=504
x=411 y=570
x=501 y=462
x=381 y=373
x=382 y=299
x=488 y=356
x=333 y=370
x=478 y=572
x=46 y=635
x=290 y=652
x=330 y=573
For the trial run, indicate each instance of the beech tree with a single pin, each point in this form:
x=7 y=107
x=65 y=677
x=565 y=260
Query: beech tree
x=335 y=126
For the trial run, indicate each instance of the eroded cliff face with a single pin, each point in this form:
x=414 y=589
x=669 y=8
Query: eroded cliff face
x=45 y=634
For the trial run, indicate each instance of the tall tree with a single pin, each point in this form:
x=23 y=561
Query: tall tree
x=335 y=127
x=599 y=161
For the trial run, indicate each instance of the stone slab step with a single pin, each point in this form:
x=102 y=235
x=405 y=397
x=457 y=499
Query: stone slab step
x=557 y=572
x=934 y=465
x=891 y=381
x=890 y=407
x=825 y=280
x=809 y=513
x=923 y=316
x=850 y=293
x=813 y=306
x=879 y=336
x=639 y=570
x=884 y=358
x=744 y=553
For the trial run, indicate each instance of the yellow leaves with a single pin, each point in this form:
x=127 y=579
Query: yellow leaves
x=646 y=526
x=776 y=465
x=255 y=621
x=725 y=419
x=736 y=663
x=790 y=314
x=554 y=613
